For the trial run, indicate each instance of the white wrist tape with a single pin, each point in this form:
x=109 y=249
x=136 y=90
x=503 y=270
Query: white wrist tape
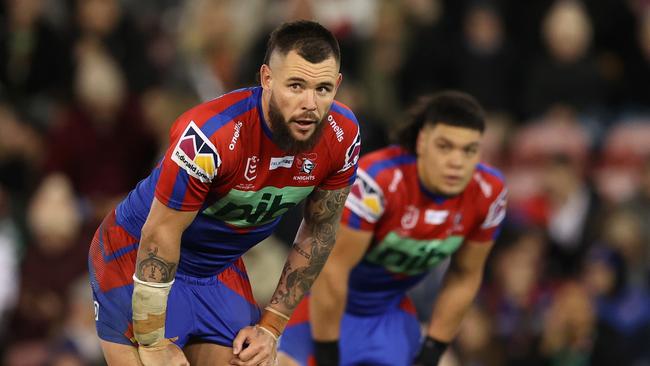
x=149 y=303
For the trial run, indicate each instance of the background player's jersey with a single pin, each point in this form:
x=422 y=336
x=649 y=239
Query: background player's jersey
x=222 y=162
x=413 y=229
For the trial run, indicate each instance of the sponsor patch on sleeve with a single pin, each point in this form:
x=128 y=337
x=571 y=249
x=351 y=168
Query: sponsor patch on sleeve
x=497 y=211
x=352 y=154
x=196 y=154
x=366 y=198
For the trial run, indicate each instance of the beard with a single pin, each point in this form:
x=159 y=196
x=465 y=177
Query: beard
x=282 y=136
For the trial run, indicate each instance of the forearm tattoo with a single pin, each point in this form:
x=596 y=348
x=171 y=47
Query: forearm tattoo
x=155 y=268
x=297 y=248
x=322 y=213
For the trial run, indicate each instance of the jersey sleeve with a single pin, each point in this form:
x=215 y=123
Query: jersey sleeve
x=344 y=162
x=365 y=204
x=491 y=219
x=188 y=168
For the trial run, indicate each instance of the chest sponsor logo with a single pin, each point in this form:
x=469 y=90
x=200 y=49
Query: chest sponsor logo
x=338 y=131
x=435 y=217
x=251 y=208
x=195 y=154
x=410 y=256
x=352 y=154
x=282 y=162
x=235 y=136
x=366 y=198
x=251 y=168
x=410 y=217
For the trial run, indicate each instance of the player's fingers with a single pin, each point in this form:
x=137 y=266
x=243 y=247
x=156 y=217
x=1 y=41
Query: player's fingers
x=242 y=337
x=251 y=351
x=256 y=356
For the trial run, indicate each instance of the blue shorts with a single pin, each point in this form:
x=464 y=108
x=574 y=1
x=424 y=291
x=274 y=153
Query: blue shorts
x=211 y=309
x=392 y=338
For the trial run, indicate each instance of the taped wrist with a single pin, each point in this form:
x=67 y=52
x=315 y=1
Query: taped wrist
x=149 y=304
x=326 y=353
x=273 y=321
x=431 y=351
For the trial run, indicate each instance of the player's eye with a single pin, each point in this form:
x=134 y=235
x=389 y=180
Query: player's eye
x=444 y=147
x=470 y=151
x=295 y=86
x=323 y=90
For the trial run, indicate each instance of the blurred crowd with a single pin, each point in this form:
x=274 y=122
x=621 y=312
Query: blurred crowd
x=89 y=88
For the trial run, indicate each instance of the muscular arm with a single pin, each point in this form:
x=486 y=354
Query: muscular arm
x=330 y=291
x=459 y=287
x=314 y=241
x=156 y=264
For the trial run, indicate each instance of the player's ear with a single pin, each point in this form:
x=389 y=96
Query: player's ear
x=420 y=140
x=266 y=79
x=339 y=79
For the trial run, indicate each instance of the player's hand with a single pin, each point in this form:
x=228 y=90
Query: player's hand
x=164 y=352
x=254 y=346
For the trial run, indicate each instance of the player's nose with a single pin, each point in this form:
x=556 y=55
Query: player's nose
x=309 y=100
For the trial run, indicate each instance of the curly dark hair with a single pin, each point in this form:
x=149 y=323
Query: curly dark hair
x=449 y=107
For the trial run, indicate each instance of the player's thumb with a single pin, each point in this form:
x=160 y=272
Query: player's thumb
x=238 y=342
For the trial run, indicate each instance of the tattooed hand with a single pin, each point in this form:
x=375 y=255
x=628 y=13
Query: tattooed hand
x=313 y=245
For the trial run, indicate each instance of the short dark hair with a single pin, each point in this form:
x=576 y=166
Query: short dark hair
x=448 y=107
x=309 y=39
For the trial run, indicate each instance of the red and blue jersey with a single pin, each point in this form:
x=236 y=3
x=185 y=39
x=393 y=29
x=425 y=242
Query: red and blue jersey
x=222 y=162
x=413 y=228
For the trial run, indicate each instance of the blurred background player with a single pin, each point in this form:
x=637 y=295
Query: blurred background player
x=412 y=206
x=233 y=167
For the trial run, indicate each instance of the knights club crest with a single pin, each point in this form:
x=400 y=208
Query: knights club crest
x=306 y=163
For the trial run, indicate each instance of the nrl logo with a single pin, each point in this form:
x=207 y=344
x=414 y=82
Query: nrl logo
x=251 y=168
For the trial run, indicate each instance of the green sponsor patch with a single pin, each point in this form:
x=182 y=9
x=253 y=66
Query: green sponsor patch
x=252 y=208
x=411 y=256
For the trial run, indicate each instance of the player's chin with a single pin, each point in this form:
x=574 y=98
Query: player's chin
x=452 y=189
x=302 y=133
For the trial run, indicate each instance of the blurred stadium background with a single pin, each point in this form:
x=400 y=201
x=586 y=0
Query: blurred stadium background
x=88 y=89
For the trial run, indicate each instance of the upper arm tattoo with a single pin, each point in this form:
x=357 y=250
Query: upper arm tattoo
x=322 y=212
x=155 y=269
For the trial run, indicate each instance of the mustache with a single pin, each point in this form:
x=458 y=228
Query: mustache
x=310 y=116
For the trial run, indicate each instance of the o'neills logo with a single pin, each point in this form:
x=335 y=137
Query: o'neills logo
x=337 y=129
x=235 y=136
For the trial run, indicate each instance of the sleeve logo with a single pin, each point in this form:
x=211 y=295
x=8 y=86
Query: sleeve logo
x=352 y=154
x=196 y=154
x=497 y=211
x=366 y=198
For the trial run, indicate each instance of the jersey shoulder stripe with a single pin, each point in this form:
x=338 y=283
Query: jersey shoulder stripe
x=377 y=167
x=237 y=108
x=342 y=109
x=484 y=168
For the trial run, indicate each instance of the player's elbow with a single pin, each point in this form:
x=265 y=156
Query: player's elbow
x=153 y=236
